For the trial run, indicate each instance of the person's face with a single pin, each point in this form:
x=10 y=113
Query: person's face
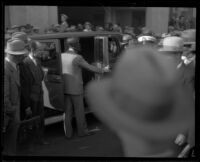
x=87 y=26
x=63 y=18
x=17 y=58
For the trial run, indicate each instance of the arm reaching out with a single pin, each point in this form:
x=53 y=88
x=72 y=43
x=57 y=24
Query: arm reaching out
x=80 y=61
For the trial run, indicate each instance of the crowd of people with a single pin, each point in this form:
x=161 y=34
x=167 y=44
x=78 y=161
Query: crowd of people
x=152 y=88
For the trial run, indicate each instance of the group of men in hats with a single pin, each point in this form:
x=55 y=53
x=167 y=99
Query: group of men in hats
x=149 y=99
x=23 y=94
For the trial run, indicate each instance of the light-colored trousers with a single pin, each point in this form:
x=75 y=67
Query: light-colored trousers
x=74 y=102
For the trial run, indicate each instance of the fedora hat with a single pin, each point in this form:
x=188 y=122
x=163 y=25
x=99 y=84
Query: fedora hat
x=189 y=36
x=22 y=36
x=142 y=97
x=146 y=38
x=16 y=47
x=172 y=44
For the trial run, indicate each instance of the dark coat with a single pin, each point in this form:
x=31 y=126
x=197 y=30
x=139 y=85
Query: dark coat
x=11 y=90
x=11 y=118
x=35 y=80
x=25 y=78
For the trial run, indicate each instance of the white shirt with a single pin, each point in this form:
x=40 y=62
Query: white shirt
x=12 y=63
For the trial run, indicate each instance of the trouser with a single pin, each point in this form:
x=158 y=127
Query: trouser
x=76 y=102
x=11 y=133
x=37 y=108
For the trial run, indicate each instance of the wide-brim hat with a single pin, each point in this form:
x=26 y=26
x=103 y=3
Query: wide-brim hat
x=16 y=47
x=100 y=98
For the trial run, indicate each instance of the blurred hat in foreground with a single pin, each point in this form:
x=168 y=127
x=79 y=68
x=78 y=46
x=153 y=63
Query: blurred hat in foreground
x=172 y=44
x=143 y=102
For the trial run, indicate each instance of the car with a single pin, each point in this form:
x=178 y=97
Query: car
x=98 y=48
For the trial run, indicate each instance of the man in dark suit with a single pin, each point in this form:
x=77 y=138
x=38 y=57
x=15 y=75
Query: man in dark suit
x=16 y=52
x=25 y=110
x=34 y=87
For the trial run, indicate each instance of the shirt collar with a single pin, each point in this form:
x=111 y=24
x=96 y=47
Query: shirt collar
x=33 y=59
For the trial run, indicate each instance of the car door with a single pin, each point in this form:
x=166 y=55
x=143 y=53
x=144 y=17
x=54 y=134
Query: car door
x=101 y=53
x=52 y=84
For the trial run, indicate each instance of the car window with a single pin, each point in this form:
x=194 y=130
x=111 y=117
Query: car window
x=113 y=50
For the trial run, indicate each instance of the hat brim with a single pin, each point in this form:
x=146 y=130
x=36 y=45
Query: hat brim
x=23 y=52
x=108 y=111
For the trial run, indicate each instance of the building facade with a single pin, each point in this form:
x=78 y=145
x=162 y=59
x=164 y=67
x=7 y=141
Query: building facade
x=154 y=18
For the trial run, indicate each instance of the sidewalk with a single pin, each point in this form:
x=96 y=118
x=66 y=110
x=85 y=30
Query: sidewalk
x=104 y=143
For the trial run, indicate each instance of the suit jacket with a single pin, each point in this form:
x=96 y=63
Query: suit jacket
x=25 y=78
x=11 y=93
x=36 y=77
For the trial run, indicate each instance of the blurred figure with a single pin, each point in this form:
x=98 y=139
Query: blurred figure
x=189 y=37
x=16 y=51
x=127 y=40
x=117 y=28
x=23 y=29
x=57 y=28
x=146 y=32
x=143 y=96
x=99 y=28
x=170 y=29
x=36 y=30
x=80 y=27
x=72 y=28
x=72 y=64
x=129 y=30
x=15 y=28
x=107 y=26
x=87 y=27
x=64 y=24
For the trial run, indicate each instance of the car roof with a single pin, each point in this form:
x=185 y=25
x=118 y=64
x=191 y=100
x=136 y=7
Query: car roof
x=73 y=34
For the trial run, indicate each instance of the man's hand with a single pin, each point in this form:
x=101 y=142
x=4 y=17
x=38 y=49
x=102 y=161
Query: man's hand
x=180 y=140
x=28 y=112
x=106 y=69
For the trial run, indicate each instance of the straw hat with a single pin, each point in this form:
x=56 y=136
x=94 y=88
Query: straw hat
x=16 y=47
x=172 y=44
x=143 y=98
x=146 y=38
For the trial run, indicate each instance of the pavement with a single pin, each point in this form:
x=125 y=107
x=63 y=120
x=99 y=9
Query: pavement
x=104 y=143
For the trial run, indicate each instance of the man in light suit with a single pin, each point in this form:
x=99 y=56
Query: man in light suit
x=72 y=64
x=16 y=52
